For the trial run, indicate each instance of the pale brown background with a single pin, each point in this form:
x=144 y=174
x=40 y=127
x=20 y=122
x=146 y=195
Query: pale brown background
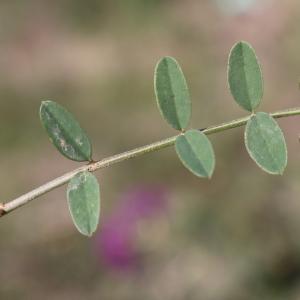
x=234 y=237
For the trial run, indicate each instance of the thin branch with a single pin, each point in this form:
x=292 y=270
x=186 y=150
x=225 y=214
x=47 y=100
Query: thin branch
x=106 y=162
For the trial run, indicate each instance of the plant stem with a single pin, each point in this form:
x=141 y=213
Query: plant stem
x=106 y=162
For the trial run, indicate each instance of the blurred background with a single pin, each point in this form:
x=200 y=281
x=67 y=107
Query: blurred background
x=164 y=234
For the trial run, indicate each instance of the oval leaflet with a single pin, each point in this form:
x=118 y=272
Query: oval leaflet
x=265 y=143
x=244 y=76
x=172 y=93
x=84 y=202
x=65 y=132
x=196 y=153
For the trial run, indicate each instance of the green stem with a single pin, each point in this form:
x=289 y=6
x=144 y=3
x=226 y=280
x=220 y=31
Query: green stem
x=106 y=162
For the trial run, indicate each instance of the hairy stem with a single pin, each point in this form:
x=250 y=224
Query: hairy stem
x=106 y=162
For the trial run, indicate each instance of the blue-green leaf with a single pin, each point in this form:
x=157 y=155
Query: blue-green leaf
x=265 y=143
x=172 y=93
x=196 y=153
x=84 y=202
x=245 y=76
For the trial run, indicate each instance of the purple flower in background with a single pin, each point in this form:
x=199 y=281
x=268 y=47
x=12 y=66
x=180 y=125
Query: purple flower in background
x=115 y=241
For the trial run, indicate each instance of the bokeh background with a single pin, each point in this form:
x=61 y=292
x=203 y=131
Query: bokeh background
x=164 y=234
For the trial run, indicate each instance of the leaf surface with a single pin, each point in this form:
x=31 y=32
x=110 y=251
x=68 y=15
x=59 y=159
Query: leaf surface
x=196 y=153
x=172 y=93
x=83 y=195
x=65 y=132
x=265 y=143
x=245 y=76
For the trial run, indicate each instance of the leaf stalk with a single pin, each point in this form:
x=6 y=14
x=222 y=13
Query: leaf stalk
x=109 y=161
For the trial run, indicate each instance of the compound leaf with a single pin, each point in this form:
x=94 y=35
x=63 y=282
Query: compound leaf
x=65 y=132
x=172 y=93
x=84 y=202
x=265 y=143
x=196 y=153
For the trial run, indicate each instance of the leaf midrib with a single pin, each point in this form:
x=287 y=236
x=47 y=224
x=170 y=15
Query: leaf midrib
x=69 y=137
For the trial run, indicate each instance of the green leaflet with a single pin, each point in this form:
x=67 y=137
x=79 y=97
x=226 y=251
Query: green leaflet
x=84 y=202
x=265 y=143
x=196 y=153
x=245 y=76
x=65 y=132
x=172 y=93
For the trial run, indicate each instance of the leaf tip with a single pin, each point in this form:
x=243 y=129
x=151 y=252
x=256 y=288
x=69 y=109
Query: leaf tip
x=46 y=102
x=88 y=234
x=242 y=43
x=209 y=176
x=166 y=58
x=163 y=61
